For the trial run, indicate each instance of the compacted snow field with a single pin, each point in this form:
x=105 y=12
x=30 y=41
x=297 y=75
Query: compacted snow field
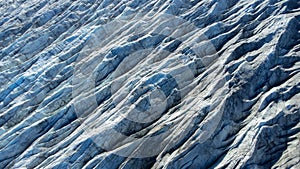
x=149 y=84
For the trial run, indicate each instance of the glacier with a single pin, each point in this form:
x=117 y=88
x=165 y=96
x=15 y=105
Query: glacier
x=149 y=84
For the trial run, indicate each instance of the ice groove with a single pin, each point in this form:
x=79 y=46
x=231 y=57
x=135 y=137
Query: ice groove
x=149 y=84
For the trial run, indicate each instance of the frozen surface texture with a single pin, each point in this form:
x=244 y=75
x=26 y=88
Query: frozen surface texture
x=150 y=84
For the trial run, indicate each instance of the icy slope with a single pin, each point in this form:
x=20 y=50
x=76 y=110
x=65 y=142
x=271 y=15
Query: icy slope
x=149 y=84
